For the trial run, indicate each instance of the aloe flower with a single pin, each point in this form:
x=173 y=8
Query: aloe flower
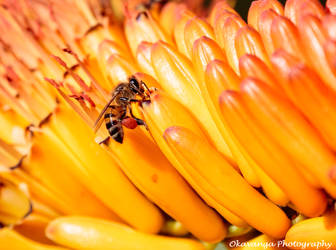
x=240 y=127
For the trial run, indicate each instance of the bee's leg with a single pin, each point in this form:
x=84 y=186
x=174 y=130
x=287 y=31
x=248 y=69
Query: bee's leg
x=139 y=101
x=145 y=85
x=139 y=121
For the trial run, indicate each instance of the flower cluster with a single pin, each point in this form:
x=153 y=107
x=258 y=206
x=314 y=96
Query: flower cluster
x=240 y=134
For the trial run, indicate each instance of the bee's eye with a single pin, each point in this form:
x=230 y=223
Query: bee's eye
x=134 y=85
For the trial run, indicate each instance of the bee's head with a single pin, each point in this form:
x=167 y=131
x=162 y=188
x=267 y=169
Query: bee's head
x=134 y=85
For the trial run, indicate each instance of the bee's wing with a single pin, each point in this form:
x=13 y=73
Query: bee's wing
x=100 y=118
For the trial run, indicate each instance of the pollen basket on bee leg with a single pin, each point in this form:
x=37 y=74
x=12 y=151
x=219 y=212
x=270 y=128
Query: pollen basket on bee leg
x=130 y=123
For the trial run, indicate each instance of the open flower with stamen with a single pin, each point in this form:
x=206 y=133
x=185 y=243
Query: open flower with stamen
x=239 y=136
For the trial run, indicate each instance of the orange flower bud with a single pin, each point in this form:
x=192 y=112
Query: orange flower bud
x=185 y=16
x=248 y=41
x=219 y=176
x=119 y=69
x=291 y=131
x=177 y=77
x=169 y=16
x=257 y=7
x=315 y=100
x=264 y=27
x=319 y=229
x=313 y=39
x=330 y=51
x=204 y=51
x=329 y=26
x=252 y=66
x=226 y=28
x=139 y=27
x=259 y=145
x=218 y=9
x=281 y=64
x=295 y=9
x=219 y=71
x=286 y=36
x=196 y=28
x=143 y=57
x=331 y=6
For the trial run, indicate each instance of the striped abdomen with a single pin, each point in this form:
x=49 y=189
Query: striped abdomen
x=113 y=117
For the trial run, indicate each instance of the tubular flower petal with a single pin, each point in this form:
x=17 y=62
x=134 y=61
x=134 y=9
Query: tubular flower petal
x=162 y=105
x=106 y=49
x=152 y=173
x=90 y=233
x=177 y=78
x=286 y=36
x=314 y=230
x=266 y=152
x=59 y=180
x=43 y=210
x=219 y=77
x=248 y=41
x=15 y=205
x=219 y=176
x=219 y=24
x=143 y=57
x=33 y=228
x=92 y=39
x=14 y=240
x=330 y=50
x=293 y=133
x=264 y=27
x=282 y=62
x=219 y=8
x=119 y=69
x=11 y=158
x=148 y=79
x=219 y=72
x=41 y=193
x=329 y=25
x=12 y=127
x=313 y=39
x=331 y=6
x=169 y=16
x=295 y=9
x=144 y=215
x=252 y=66
x=271 y=189
x=257 y=7
x=194 y=29
x=184 y=17
x=204 y=51
x=176 y=115
x=315 y=100
x=226 y=28
x=140 y=27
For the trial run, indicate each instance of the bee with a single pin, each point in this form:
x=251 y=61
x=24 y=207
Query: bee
x=115 y=113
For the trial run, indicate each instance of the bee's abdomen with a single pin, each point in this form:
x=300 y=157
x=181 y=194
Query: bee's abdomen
x=114 y=128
